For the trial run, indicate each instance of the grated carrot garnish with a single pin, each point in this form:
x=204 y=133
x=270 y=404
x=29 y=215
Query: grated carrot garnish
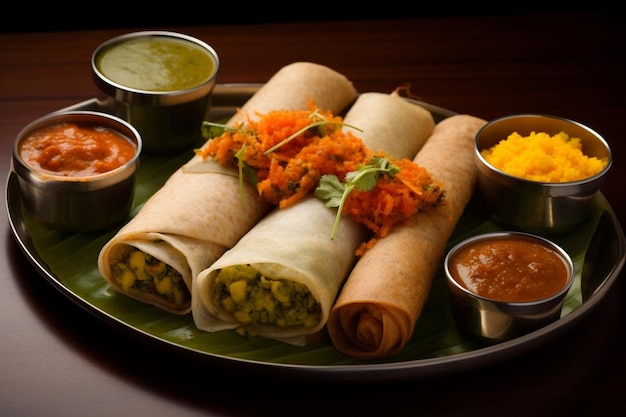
x=289 y=151
x=291 y=171
x=393 y=200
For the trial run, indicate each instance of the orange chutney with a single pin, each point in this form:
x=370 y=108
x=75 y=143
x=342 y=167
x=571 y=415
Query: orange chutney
x=76 y=150
x=510 y=269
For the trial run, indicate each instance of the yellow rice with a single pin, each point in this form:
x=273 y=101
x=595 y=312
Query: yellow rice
x=544 y=158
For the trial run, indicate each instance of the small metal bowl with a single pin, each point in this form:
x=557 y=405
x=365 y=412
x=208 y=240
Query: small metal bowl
x=491 y=317
x=161 y=82
x=78 y=203
x=538 y=207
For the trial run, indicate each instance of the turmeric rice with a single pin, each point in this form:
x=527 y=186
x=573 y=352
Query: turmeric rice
x=543 y=158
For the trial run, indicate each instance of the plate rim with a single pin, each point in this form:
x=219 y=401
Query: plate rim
x=393 y=371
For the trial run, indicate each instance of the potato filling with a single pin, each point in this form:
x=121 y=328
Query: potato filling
x=141 y=273
x=254 y=298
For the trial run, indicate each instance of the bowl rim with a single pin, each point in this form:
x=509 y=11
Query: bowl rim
x=596 y=178
x=115 y=123
x=129 y=94
x=567 y=260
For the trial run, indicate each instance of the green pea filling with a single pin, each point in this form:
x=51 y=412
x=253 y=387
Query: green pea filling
x=254 y=298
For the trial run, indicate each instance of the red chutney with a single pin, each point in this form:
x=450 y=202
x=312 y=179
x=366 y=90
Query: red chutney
x=76 y=150
x=510 y=269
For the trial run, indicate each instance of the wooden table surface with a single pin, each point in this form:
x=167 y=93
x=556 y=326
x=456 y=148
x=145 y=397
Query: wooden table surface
x=55 y=359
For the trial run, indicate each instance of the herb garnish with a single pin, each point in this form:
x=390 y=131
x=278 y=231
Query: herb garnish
x=212 y=130
x=334 y=192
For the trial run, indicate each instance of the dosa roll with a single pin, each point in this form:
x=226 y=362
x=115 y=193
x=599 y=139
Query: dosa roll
x=376 y=310
x=198 y=213
x=294 y=246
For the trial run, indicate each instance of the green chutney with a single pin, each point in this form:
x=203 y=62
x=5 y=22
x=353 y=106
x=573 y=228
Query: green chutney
x=156 y=63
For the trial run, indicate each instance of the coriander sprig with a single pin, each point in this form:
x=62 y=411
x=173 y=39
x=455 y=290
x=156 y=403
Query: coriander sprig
x=212 y=130
x=334 y=192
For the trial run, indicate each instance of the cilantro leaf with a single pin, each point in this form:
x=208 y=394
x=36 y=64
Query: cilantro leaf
x=212 y=130
x=334 y=192
x=330 y=190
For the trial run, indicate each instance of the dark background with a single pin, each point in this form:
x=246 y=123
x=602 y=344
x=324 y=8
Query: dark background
x=53 y=16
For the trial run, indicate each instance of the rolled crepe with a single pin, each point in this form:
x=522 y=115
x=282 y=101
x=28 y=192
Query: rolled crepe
x=376 y=311
x=198 y=212
x=294 y=244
